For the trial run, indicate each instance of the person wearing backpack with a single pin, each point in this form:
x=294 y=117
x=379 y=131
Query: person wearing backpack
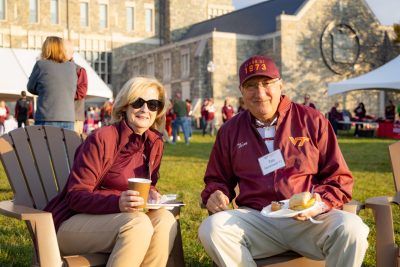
x=23 y=110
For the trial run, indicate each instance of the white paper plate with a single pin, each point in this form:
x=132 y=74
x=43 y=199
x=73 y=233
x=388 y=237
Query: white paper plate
x=168 y=206
x=285 y=212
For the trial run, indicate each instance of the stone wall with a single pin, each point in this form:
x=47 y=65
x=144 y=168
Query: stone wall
x=304 y=68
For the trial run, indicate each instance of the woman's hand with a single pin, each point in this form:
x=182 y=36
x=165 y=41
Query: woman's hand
x=129 y=201
x=154 y=197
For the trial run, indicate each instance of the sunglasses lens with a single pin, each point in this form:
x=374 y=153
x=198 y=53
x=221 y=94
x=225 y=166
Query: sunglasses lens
x=153 y=105
x=138 y=103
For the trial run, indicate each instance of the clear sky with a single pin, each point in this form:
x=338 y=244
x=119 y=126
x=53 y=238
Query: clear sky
x=387 y=11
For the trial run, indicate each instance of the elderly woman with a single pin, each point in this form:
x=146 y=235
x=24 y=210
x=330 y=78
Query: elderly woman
x=54 y=80
x=96 y=212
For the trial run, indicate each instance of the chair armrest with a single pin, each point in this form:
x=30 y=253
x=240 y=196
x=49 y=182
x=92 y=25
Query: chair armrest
x=42 y=228
x=386 y=249
x=353 y=206
x=9 y=209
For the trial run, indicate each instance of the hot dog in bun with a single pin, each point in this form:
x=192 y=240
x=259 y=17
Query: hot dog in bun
x=301 y=201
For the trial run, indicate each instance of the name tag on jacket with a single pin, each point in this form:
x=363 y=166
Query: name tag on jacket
x=271 y=162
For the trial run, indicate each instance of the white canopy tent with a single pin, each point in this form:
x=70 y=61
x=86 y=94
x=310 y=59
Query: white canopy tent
x=386 y=76
x=16 y=66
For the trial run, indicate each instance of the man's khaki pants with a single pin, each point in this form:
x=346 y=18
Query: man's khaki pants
x=235 y=237
x=133 y=239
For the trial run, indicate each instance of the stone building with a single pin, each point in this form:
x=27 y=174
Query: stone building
x=196 y=47
x=313 y=42
x=103 y=31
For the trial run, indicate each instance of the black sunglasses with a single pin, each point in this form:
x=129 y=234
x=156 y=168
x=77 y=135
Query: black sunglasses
x=152 y=104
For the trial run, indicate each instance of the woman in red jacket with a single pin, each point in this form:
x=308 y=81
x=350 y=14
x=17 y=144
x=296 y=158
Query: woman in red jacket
x=96 y=212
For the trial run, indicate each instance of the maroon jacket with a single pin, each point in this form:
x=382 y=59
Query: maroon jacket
x=86 y=191
x=309 y=148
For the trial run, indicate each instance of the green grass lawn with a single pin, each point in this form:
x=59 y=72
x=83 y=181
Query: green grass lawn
x=182 y=172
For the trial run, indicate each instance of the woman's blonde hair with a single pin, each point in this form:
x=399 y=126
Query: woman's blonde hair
x=131 y=91
x=53 y=49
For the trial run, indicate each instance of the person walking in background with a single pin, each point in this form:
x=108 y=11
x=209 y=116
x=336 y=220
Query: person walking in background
x=4 y=112
x=227 y=111
x=105 y=113
x=335 y=116
x=390 y=111
x=54 y=80
x=204 y=115
x=360 y=113
x=189 y=113
x=180 y=112
x=307 y=102
x=398 y=111
x=23 y=110
x=211 y=116
x=81 y=89
x=169 y=117
x=96 y=212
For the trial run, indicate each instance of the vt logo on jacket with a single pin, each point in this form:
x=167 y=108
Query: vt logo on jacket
x=298 y=141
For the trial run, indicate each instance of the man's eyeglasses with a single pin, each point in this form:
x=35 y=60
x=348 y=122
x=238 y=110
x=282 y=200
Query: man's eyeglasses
x=152 y=104
x=266 y=84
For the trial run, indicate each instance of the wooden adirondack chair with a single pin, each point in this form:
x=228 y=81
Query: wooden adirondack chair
x=37 y=161
x=387 y=252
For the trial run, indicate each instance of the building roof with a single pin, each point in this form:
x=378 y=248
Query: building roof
x=259 y=19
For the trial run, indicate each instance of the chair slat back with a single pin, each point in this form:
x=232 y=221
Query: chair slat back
x=14 y=173
x=27 y=163
x=43 y=167
x=37 y=161
x=394 y=153
x=58 y=154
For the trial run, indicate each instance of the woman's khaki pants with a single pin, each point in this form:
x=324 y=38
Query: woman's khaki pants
x=133 y=239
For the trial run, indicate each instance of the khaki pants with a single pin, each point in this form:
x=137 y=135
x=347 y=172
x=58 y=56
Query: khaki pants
x=235 y=237
x=133 y=239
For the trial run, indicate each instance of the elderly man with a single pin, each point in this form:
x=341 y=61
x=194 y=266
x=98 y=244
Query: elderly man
x=274 y=149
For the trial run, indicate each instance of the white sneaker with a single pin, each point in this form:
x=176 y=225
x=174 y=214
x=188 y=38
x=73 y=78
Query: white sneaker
x=178 y=138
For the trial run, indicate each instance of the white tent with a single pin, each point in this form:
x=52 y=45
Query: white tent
x=16 y=66
x=386 y=76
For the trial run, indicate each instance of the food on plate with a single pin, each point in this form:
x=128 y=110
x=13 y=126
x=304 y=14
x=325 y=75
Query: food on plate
x=301 y=201
x=276 y=205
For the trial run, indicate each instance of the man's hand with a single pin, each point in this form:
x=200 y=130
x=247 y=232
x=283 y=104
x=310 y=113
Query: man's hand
x=304 y=216
x=217 y=201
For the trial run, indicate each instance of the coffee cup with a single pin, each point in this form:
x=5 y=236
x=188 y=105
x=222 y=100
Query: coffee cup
x=142 y=185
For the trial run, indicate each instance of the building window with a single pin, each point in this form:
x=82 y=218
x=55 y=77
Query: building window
x=100 y=60
x=185 y=64
x=149 y=19
x=150 y=66
x=84 y=6
x=167 y=67
x=54 y=11
x=130 y=18
x=33 y=11
x=2 y=9
x=103 y=16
